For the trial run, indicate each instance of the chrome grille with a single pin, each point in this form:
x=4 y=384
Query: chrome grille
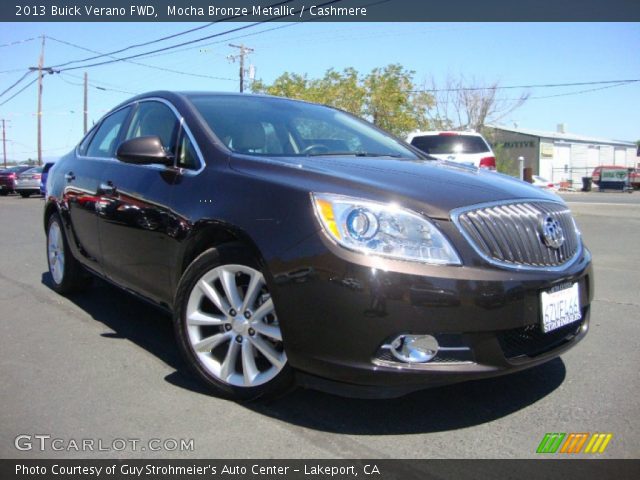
x=510 y=234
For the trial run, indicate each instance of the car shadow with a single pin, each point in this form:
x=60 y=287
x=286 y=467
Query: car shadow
x=437 y=409
x=132 y=319
x=432 y=410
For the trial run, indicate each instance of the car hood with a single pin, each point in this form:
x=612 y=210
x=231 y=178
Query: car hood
x=433 y=187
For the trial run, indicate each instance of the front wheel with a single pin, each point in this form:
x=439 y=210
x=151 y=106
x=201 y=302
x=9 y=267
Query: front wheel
x=227 y=327
x=25 y=194
x=67 y=274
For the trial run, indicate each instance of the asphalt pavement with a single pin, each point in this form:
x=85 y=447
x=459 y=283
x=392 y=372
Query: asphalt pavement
x=104 y=366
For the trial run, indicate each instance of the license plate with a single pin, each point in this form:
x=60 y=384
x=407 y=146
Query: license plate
x=560 y=306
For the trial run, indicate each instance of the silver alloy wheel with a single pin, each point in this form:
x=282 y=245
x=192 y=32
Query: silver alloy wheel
x=233 y=328
x=55 y=252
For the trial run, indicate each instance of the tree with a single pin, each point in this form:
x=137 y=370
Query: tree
x=386 y=97
x=469 y=104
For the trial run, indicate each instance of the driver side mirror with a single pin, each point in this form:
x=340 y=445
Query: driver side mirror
x=144 y=151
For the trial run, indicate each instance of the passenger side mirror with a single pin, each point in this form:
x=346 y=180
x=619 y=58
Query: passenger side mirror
x=144 y=151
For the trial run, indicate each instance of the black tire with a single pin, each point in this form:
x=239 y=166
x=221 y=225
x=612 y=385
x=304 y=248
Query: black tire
x=227 y=254
x=74 y=277
x=25 y=194
x=4 y=193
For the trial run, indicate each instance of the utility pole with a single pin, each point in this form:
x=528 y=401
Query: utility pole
x=86 y=106
x=244 y=51
x=41 y=68
x=40 y=65
x=4 y=144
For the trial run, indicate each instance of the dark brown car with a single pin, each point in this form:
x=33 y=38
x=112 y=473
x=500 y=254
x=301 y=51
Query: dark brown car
x=293 y=242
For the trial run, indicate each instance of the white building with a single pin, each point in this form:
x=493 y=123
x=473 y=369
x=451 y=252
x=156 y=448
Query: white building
x=560 y=156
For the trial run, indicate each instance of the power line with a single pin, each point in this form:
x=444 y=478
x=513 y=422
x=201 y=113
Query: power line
x=155 y=67
x=159 y=39
x=251 y=34
x=17 y=82
x=543 y=85
x=19 y=91
x=17 y=42
x=190 y=42
x=97 y=87
x=582 y=91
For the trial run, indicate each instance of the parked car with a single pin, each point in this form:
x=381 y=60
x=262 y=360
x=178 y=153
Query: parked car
x=634 y=174
x=27 y=183
x=204 y=204
x=8 y=178
x=43 y=179
x=542 y=182
x=462 y=147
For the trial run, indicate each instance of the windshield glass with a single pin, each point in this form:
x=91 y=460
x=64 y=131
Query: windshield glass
x=281 y=127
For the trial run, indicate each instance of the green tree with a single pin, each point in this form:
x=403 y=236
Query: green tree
x=386 y=96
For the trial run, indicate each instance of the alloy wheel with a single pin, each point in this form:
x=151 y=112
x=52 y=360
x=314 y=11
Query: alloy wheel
x=232 y=326
x=55 y=252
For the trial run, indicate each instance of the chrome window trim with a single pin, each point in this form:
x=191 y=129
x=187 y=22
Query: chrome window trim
x=154 y=166
x=455 y=218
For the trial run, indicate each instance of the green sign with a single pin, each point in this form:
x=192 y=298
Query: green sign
x=614 y=175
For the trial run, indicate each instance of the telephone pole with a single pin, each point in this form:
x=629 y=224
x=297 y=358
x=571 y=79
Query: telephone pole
x=41 y=68
x=244 y=51
x=86 y=100
x=40 y=65
x=4 y=143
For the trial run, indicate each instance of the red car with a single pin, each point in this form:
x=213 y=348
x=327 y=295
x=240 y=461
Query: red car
x=634 y=174
x=8 y=178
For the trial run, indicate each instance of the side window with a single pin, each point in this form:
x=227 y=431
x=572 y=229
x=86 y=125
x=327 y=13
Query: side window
x=187 y=155
x=82 y=148
x=155 y=118
x=103 y=142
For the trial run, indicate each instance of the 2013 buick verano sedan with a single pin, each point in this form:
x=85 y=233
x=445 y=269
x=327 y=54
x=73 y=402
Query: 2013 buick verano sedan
x=296 y=243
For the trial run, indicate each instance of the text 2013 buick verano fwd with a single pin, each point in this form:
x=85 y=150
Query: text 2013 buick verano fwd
x=295 y=243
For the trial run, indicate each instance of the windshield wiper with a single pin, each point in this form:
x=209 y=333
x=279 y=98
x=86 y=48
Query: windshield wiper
x=354 y=154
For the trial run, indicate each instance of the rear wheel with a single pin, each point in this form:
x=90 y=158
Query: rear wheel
x=66 y=273
x=25 y=194
x=227 y=327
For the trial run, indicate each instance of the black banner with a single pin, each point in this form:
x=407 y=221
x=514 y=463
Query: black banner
x=319 y=10
x=319 y=469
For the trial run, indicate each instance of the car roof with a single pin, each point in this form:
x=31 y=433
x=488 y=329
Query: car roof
x=433 y=133
x=447 y=132
x=183 y=95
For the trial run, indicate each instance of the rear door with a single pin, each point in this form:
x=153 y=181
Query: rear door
x=138 y=229
x=81 y=193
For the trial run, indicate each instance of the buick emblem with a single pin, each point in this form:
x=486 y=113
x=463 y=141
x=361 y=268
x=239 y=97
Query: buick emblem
x=552 y=234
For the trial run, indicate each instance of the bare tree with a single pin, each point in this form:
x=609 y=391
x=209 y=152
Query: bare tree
x=461 y=103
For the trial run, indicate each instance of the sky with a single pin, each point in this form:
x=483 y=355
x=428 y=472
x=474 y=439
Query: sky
x=511 y=53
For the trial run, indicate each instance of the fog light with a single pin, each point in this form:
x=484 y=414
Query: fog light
x=414 y=348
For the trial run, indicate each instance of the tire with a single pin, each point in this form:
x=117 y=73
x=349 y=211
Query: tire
x=25 y=194
x=238 y=354
x=4 y=193
x=67 y=274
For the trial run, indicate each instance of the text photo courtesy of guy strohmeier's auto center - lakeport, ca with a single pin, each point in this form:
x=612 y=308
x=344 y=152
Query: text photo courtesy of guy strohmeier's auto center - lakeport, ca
x=353 y=237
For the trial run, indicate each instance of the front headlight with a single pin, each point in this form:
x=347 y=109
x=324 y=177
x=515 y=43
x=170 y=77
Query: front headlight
x=382 y=229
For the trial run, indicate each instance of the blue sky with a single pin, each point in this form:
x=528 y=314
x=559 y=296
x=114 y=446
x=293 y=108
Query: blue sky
x=512 y=53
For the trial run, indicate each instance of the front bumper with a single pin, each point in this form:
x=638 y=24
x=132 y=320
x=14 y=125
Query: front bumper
x=338 y=308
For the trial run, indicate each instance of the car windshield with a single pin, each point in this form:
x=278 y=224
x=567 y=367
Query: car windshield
x=31 y=171
x=447 y=144
x=280 y=127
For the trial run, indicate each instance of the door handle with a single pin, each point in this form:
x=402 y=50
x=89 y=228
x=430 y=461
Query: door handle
x=69 y=177
x=107 y=188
